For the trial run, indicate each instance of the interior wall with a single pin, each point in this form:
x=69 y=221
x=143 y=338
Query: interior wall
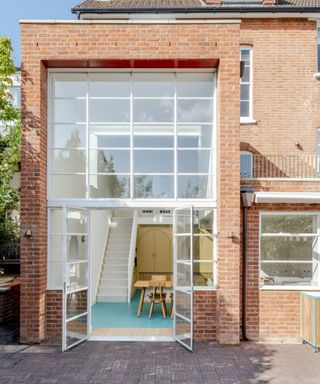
x=99 y=230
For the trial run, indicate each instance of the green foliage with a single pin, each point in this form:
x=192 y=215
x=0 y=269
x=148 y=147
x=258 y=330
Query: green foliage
x=10 y=137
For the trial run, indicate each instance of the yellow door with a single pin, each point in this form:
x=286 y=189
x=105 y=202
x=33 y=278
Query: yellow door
x=163 y=249
x=145 y=252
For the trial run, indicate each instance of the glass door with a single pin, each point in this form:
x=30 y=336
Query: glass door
x=183 y=276
x=76 y=313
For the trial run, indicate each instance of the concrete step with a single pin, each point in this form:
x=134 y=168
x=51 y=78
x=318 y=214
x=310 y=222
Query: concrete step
x=113 y=291
x=116 y=261
x=107 y=274
x=114 y=268
x=111 y=298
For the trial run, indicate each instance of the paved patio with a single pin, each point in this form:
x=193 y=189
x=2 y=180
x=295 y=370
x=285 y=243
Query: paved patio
x=159 y=363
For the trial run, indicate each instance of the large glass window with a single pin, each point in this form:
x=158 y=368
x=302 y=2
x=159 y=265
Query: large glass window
x=289 y=249
x=246 y=84
x=132 y=136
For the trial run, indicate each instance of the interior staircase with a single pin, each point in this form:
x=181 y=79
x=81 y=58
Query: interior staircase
x=113 y=285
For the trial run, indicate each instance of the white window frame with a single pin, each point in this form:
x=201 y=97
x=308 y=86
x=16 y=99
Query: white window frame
x=250 y=155
x=130 y=202
x=248 y=119
x=318 y=47
x=287 y=213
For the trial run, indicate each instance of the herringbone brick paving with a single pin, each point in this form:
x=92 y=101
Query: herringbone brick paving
x=159 y=363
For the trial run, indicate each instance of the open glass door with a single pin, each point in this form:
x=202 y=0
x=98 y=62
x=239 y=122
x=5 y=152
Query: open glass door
x=76 y=314
x=183 y=276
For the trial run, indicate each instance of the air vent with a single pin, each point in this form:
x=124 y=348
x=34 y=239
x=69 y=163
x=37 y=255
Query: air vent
x=165 y=212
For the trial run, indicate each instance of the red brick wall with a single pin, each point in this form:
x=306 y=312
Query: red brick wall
x=205 y=315
x=94 y=41
x=54 y=315
x=9 y=306
x=271 y=315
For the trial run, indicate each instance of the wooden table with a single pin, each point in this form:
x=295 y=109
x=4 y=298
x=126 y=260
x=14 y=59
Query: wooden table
x=143 y=285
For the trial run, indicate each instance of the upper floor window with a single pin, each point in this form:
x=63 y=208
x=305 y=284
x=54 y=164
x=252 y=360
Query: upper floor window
x=131 y=136
x=246 y=84
x=289 y=248
x=245 y=164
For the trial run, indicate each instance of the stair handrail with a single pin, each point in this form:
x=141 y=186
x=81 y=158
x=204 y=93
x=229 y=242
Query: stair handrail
x=132 y=252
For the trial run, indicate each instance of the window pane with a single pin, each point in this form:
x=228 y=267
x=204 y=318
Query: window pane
x=183 y=242
x=56 y=246
x=195 y=187
x=246 y=75
x=70 y=85
x=109 y=186
x=102 y=136
x=194 y=161
x=153 y=161
x=203 y=248
x=68 y=136
x=78 y=276
x=109 y=161
x=155 y=141
x=76 y=303
x=245 y=92
x=288 y=248
x=244 y=108
x=203 y=274
x=55 y=274
x=69 y=111
x=183 y=304
x=110 y=85
x=77 y=221
x=245 y=56
x=183 y=274
x=202 y=221
x=195 y=111
x=109 y=111
x=76 y=330
x=68 y=186
x=153 y=85
x=153 y=111
x=245 y=164
x=287 y=274
x=194 y=136
x=77 y=247
x=153 y=187
x=68 y=161
x=56 y=221
x=195 y=85
x=289 y=223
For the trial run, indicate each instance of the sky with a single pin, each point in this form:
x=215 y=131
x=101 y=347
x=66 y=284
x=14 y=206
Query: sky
x=11 y=11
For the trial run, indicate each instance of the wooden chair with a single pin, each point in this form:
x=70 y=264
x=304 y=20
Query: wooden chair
x=171 y=306
x=158 y=281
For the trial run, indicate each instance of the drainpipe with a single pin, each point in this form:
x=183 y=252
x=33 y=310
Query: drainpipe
x=247 y=197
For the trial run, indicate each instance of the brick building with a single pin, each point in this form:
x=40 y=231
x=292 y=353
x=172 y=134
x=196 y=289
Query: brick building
x=190 y=123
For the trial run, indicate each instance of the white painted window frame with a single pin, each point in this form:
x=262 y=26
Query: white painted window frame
x=287 y=213
x=130 y=202
x=248 y=119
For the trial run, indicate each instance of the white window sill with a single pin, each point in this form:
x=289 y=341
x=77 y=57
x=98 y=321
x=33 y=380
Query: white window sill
x=200 y=288
x=288 y=288
x=317 y=75
x=245 y=120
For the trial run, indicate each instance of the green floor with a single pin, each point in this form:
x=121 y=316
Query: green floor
x=124 y=315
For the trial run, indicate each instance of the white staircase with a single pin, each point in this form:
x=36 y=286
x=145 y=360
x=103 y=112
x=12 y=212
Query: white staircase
x=113 y=285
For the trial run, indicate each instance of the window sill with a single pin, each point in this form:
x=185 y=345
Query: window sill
x=317 y=75
x=288 y=288
x=247 y=121
x=205 y=288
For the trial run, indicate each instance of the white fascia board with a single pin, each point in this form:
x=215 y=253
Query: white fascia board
x=287 y=197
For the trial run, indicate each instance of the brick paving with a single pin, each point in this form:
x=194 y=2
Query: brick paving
x=159 y=363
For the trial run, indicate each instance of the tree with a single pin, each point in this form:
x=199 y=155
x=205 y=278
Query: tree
x=10 y=137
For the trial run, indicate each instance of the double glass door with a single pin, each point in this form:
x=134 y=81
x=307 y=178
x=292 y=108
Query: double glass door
x=76 y=313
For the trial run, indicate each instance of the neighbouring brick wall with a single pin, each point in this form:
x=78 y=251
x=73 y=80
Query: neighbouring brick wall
x=271 y=315
x=286 y=97
x=137 y=41
x=54 y=315
x=205 y=315
x=283 y=185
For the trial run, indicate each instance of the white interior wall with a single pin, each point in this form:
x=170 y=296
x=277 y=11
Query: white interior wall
x=99 y=230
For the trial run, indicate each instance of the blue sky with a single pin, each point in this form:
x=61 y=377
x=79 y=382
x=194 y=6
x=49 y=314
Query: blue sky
x=11 y=11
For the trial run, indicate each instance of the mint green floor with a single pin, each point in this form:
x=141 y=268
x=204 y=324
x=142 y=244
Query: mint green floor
x=124 y=315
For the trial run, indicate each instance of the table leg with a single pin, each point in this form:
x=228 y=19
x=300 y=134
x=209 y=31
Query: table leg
x=143 y=291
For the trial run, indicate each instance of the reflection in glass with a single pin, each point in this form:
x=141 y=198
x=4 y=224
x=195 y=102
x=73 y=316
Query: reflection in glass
x=194 y=136
x=56 y=246
x=287 y=274
x=76 y=330
x=109 y=186
x=153 y=84
x=195 y=187
x=197 y=85
x=183 y=221
x=70 y=85
x=202 y=221
x=109 y=161
x=77 y=221
x=289 y=223
x=154 y=141
x=69 y=111
x=69 y=161
x=77 y=247
x=68 y=136
x=183 y=244
x=110 y=84
x=153 y=187
x=183 y=303
x=195 y=111
x=55 y=274
x=77 y=303
x=153 y=111
x=109 y=111
x=183 y=331
x=146 y=161
x=77 y=274
x=184 y=274
x=203 y=248
x=203 y=274
x=190 y=161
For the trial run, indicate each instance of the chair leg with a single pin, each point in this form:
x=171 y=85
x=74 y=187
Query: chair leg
x=164 y=311
x=171 y=310
x=151 y=309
